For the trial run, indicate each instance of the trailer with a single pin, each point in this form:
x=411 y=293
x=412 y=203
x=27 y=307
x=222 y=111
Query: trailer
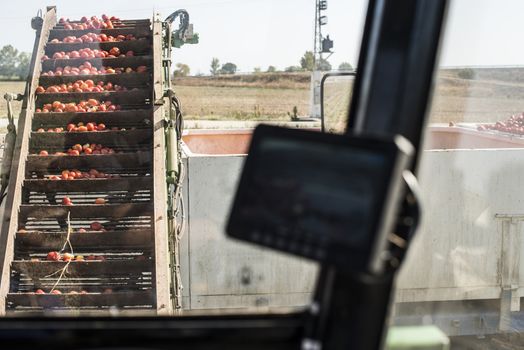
x=461 y=273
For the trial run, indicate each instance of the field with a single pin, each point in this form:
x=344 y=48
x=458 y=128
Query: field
x=241 y=103
x=11 y=87
x=491 y=95
x=482 y=95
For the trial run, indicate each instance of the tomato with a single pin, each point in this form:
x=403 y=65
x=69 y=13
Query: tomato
x=67 y=201
x=114 y=51
x=72 y=109
x=53 y=256
x=67 y=257
x=93 y=102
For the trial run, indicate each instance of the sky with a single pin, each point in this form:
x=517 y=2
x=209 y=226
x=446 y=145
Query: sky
x=259 y=33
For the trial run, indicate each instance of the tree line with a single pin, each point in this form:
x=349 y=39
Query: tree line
x=14 y=64
x=307 y=64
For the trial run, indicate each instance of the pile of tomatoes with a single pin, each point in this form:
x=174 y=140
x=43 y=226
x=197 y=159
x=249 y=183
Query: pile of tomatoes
x=78 y=149
x=92 y=105
x=88 y=69
x=76 y=174
x=512 y=125
x=81 y=86
x=89 y=53
x=104 y=22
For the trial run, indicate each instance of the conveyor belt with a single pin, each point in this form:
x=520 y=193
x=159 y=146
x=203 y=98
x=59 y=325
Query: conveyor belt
x=121 y=263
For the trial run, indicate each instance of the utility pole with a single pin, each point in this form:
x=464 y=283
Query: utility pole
x=321 y=45
x=320 y=20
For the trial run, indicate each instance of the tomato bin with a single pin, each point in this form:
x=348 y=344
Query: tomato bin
x=219 y=273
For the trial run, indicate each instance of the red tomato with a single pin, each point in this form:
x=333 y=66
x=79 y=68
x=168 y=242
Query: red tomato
x=53 y=256
x=100 y=201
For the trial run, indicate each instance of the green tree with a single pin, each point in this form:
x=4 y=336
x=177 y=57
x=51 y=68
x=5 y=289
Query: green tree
x=307 y=61
x=292 y=69
x=324 y=65
x=24 y=59
x=466 y=73
x=228 y=68
x=345 y=66
x=9 y=58
x=215 y=65
x=182 y=70
x=271 y=69
x=257 y=70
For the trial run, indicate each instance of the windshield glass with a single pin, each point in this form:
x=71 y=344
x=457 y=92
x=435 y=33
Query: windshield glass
x=463 y=270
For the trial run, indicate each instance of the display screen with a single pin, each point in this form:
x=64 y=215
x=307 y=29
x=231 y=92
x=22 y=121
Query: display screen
x=312 y=193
